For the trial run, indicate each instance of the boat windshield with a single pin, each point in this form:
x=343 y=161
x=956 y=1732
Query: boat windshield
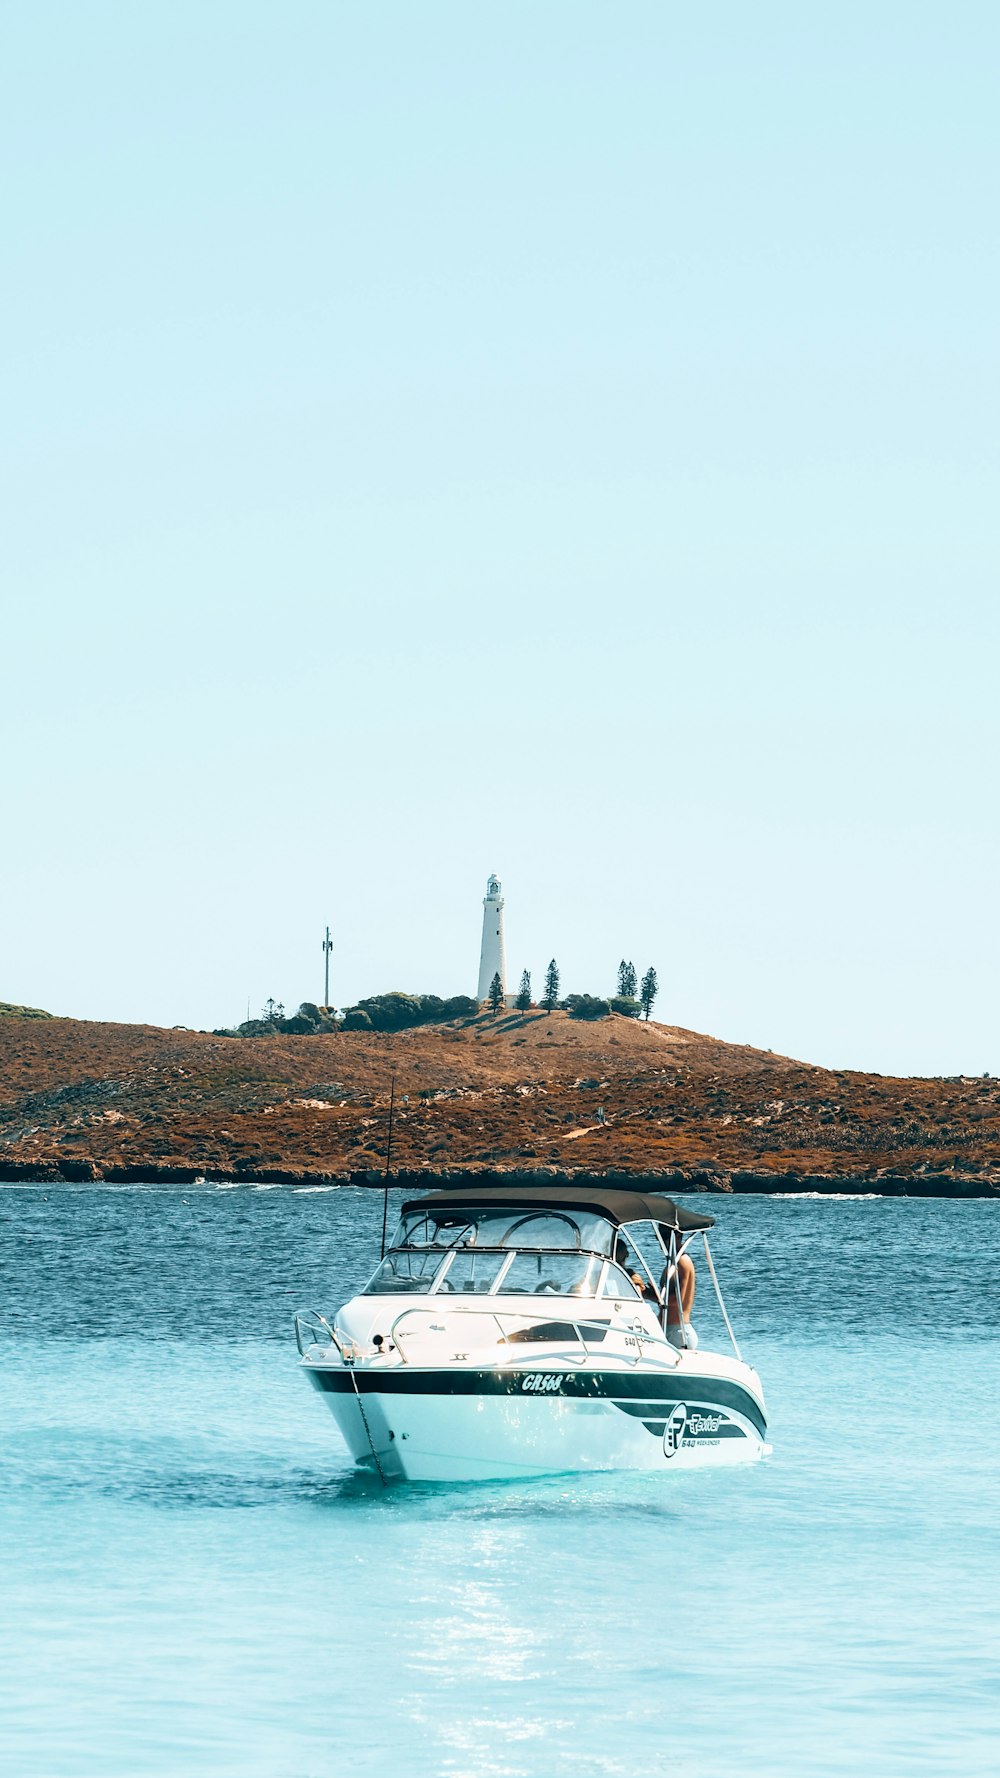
x=554 y=1230
x=478 y=1271
x=551 y=1274
x=406 y=1273
x=472 y=1271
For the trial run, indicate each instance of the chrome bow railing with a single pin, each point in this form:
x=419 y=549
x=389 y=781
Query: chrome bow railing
x=310 y=1329
x=635 y=1336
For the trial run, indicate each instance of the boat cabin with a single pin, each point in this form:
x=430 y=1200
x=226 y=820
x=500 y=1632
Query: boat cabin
x=533 y=1241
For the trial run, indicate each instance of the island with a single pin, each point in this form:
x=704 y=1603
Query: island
x=521 y=1095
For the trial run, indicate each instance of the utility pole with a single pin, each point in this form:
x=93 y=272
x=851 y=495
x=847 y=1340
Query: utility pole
x=327 y=948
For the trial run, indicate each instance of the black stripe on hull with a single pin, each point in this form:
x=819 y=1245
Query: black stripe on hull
x=641 y=1395
x=728 y=1429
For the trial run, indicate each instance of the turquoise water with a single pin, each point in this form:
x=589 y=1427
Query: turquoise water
x=194 y=1581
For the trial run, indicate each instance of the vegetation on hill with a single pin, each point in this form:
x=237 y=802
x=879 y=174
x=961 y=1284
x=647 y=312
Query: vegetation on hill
x=586 y=1006
x=309 y=1021
x=519 y=1091
x=9 y=1011
x=628 y=980
x=380 y=1012
x=648 y=991
x=398 y=1012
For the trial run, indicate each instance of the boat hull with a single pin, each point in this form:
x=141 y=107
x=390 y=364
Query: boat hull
x=444 y=1424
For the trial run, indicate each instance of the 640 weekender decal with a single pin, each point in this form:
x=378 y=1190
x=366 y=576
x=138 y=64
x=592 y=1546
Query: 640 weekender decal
x=688 y=1427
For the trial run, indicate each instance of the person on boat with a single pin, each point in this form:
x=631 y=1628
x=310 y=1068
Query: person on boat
x=645 y=1286
x=678 y=1327
x=630 y=1266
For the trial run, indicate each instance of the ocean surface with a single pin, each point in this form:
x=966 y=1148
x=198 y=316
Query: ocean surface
x=194 y=1580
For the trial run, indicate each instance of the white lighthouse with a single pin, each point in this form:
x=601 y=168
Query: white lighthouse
x=493 y=956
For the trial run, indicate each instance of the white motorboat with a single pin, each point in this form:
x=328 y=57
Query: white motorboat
x=520 y=1331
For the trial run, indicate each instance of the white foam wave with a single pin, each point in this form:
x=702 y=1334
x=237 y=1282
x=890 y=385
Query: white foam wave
x=836 y=1197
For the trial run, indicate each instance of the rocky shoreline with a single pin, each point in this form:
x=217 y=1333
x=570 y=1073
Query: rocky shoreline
x=671 y=1183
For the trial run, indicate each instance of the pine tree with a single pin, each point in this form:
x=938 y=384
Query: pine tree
x=523 y=1001
x=627 y=980
x=550 y=997
x=496 y=993
x=648 y=991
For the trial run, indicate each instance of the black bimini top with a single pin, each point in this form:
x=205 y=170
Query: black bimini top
x=617 y=1203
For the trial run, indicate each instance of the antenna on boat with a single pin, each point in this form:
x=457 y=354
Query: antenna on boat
x=388 y=1159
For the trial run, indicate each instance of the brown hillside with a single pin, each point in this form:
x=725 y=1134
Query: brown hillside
x=518 y=1092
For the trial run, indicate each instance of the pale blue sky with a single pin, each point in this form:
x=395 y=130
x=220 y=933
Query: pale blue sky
x=556 y=438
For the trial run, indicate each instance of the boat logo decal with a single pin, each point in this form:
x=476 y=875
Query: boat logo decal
x=539 y=1385
x=687 y=1426
x=703 y=1423
x=673 y=1432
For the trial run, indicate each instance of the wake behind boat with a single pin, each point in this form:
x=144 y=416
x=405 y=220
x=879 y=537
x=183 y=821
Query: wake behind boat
x=550 y=1335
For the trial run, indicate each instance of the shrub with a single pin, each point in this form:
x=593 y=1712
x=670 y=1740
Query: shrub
x=460 y=1006
x=391 y=1012
x=586 y=1006
x=624 y=1004
x=397 y=1011
x=356 y=1019
x=312 y=1018
x=434 y=1010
